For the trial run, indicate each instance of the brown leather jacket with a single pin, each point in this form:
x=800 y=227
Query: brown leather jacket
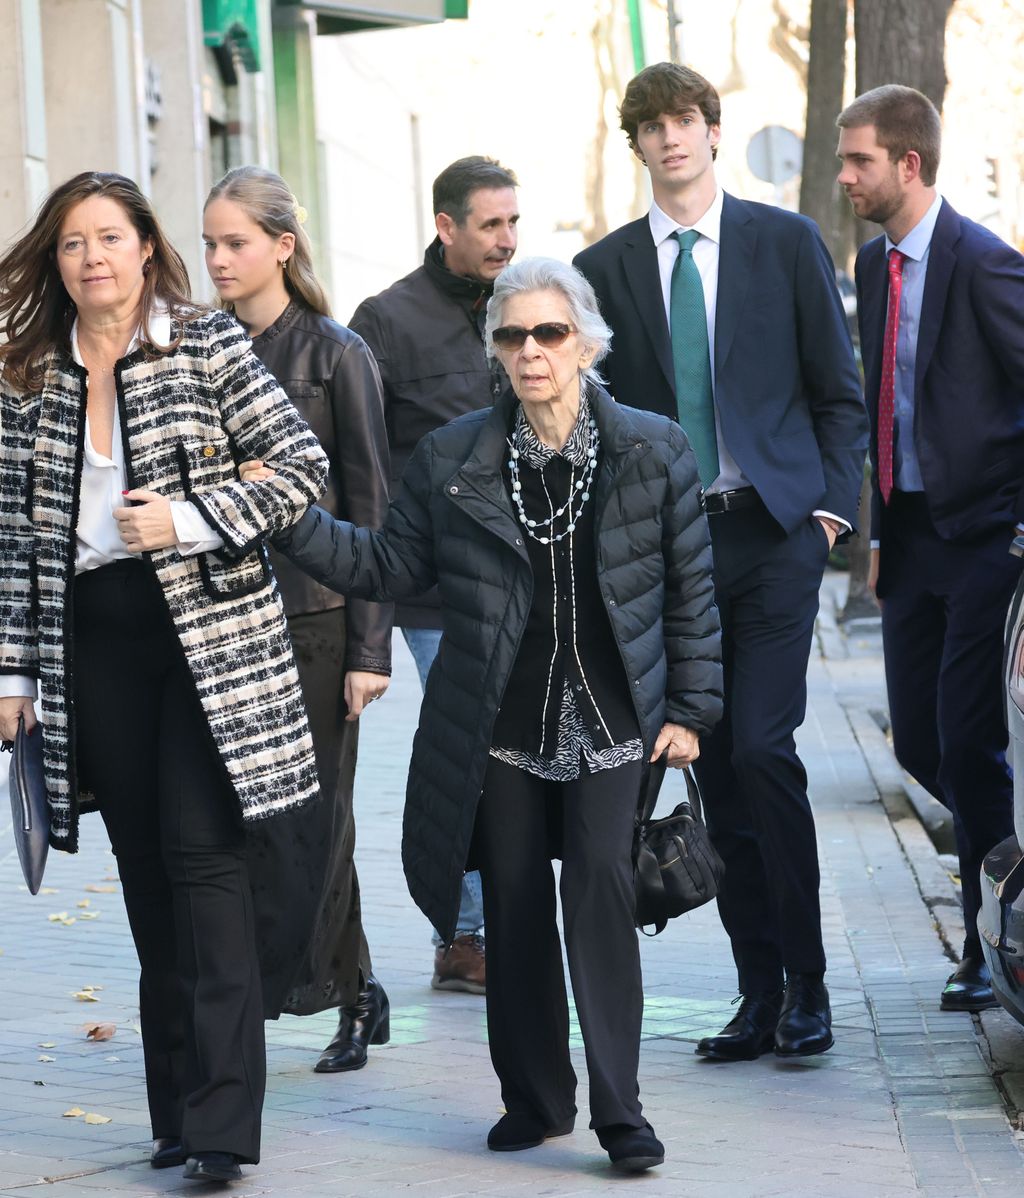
x=332 y=379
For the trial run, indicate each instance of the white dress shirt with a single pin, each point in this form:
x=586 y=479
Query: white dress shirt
x=705 y=257
x=98 y=541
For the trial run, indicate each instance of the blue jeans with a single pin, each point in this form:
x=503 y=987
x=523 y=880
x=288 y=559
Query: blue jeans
x=423 y=643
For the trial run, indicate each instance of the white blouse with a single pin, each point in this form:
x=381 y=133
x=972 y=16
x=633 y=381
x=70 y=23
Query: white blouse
x=103 y=481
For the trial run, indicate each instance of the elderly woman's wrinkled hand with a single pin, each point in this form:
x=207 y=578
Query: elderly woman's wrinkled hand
x=255 y=472
x=679 y=745
x=148 y=525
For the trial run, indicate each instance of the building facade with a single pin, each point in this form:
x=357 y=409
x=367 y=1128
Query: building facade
x=171 y=93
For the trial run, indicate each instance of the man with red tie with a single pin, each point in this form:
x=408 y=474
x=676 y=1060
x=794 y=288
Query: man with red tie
x=939 y=304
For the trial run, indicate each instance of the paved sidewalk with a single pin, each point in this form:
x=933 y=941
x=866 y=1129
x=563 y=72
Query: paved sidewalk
x=904 y=1104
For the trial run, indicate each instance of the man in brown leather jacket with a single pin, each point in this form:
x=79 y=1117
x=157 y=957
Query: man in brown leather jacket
x=426 y=332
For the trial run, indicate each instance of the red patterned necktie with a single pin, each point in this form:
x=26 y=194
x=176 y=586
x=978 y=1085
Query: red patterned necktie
x=887 y=391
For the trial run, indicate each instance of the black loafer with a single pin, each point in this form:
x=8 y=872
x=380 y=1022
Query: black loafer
x=212 y=1166
x=750 y=1032
x=631 y=1149
x=367 y=1021
x=518 y=1130
x=167 y=1152
x=969 y=987
x=805 y=1025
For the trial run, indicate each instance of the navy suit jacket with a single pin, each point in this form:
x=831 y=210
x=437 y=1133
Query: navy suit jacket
x=968 y=376
x=787 y=387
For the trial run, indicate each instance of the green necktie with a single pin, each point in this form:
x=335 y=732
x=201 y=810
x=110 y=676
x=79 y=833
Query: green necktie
x=689 y=327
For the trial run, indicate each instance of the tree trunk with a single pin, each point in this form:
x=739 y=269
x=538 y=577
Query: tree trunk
x=902 y=41
x=898 y=41
x=820 y=197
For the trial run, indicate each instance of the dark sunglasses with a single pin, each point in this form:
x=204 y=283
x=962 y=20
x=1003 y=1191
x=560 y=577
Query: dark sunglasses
x=549 y=335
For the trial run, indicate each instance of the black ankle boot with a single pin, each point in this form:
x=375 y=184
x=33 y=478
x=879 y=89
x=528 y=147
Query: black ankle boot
x=805 y=1024
x=367 y=1021
x=749 y=1033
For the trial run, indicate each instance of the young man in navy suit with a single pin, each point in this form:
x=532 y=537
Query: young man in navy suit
x=939 y=303
x=726 y=317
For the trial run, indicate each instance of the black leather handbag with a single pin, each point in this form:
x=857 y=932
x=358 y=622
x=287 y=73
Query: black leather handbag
x=677 y=868
x=29 y=810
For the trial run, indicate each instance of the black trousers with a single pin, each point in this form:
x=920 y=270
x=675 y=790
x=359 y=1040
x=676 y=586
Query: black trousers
x=943 y=610
x=754 y=784
x=527 y=1008
x=145 y=752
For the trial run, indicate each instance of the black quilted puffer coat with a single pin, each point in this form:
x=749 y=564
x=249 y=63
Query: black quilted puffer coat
x=452 y=523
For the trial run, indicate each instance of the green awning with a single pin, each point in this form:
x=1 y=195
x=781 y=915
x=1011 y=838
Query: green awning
x=353 y=16
x=235 y=24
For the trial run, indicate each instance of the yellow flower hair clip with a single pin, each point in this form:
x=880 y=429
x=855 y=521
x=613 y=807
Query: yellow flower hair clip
x=301 y=215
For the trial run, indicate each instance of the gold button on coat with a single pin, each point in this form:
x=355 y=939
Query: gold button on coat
x=208 y=451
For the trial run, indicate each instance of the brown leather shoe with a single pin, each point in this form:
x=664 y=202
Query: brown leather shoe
x=462 y=967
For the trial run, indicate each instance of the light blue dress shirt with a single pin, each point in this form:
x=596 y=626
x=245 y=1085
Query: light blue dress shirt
x=916 y=246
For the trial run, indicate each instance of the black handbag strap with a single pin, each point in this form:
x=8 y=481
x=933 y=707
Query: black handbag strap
x=650 y=788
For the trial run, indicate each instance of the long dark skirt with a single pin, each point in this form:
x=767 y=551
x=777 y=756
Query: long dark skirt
x=305 y=888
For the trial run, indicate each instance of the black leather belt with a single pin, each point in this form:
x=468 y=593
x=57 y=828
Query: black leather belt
x=718 y=502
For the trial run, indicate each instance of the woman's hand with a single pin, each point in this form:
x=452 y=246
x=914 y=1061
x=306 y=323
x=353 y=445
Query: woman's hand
x=10 y=708
x=680 y=746
x=361 y=688
x=255 y=472
x=148 y=526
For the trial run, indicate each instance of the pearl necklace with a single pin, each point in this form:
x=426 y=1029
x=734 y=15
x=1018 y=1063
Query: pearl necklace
x=577 y=490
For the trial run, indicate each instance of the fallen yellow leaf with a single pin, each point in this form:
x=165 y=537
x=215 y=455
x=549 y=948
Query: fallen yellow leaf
x=92 y=1117
x=85 y=996
x=48 y=1044
x=73 y=1113
x=84 y=903
x=48 y=890
x=44 y=1057
x=92 y=888
x=89 y=915
x=57 y=916
x=100 y=1031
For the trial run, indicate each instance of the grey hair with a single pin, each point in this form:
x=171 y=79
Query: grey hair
x=548 y=274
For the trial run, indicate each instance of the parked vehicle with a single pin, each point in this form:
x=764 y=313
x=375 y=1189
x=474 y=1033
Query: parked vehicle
x=1001 y=921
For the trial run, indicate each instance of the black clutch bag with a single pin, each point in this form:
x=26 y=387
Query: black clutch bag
x=29 y=811
x=677 y=868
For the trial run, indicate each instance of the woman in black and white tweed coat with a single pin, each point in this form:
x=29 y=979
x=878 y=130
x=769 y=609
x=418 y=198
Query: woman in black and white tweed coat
x=135 y=592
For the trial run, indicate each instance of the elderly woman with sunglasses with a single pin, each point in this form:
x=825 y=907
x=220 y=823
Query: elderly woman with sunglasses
x=581 y=640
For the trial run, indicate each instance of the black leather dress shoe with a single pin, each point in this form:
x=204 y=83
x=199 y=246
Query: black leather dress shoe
x=631 y=1149
x=748 y=1034
x=517 y=1130
x=805 y=1025
x=969 y=987
x=167 y=1152
x=212 y=1166
x=367 y=1021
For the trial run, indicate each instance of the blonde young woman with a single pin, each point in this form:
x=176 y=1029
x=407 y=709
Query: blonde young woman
x=259 y=258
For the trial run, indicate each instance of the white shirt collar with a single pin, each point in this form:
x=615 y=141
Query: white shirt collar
x=709 y=225
x=915 y=244
x=159 y=328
